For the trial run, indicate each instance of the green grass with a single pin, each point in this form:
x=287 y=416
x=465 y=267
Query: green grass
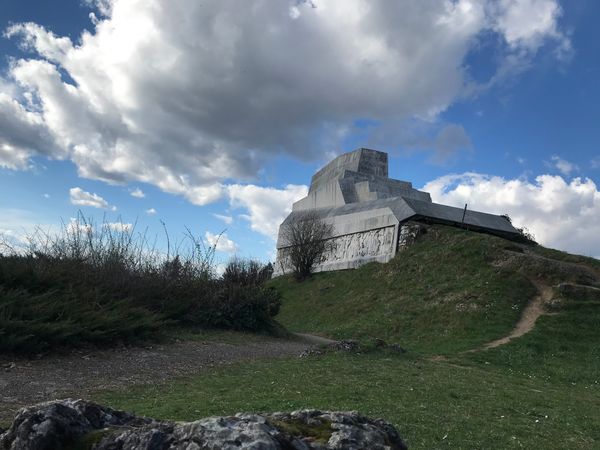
x=568 y=257
x=450 y=292
x=441 y=295
x=433 y=404
x=453 y=291
x=225 y=336
x=561 y=348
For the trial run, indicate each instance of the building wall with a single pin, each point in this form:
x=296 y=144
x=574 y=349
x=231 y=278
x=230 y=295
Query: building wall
x=351 y=250
x=329 y=195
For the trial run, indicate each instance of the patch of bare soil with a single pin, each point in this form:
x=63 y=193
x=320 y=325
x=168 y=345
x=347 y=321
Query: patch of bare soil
x=25 y=381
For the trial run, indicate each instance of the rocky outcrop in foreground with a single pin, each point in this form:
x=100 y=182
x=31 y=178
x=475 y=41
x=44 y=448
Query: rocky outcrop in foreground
x=78 y=424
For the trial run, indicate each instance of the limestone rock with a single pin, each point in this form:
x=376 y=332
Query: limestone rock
x=409 y=232
x=347 y=345
x=52 y=425
x=80 y=424
x=351 y=346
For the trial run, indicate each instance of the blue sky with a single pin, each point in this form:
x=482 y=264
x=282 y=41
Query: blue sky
x=220 y=113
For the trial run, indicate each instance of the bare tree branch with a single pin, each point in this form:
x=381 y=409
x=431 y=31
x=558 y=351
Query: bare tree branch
x=308 y=241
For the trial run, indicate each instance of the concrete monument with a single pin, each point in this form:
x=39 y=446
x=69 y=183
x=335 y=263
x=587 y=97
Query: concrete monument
x=372 y=214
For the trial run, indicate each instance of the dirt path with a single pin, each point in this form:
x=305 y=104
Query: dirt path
x=530 y=315
x=24 y=381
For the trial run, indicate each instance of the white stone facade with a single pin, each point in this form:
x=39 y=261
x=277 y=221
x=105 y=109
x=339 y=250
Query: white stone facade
x=350 y=251
x=370 y=212
x=369 y=244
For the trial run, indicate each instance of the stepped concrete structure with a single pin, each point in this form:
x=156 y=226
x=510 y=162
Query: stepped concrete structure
x=372 y=214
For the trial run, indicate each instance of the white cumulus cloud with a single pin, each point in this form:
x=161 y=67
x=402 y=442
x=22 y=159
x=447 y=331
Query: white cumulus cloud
x=561 y=214
x=266 y=207
x=221 y=242
x=227 y=219
x=528 y=23
x=10 y=241
x=151 y=212
x=564 y=166
x=79 y=226
x=119 y=227
x=186 y=95
x=83 y=198
x=137 y=193
x=17 y=226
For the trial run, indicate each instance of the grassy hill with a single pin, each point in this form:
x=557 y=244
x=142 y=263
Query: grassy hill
x=451 y=292
x=442 y=300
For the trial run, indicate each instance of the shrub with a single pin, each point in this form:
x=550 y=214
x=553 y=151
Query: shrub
x=525 y=235
x=247 y=272
x=242 y=288
x=93 y=284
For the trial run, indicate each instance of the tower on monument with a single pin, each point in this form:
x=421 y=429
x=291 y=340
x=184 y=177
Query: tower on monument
x=353 y=177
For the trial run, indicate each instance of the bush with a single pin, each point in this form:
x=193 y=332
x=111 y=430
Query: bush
x=526 y=236
x=96 y=285
x=242 y=289
x=247 y=272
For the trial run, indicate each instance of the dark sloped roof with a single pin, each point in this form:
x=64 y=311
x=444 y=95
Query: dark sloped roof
x=455 y=215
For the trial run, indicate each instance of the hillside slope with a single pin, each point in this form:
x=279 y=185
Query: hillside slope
x=443 y=299
x=451 y=291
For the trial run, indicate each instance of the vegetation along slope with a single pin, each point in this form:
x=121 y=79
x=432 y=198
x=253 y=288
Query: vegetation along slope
x=442 y=300
x=93 y=285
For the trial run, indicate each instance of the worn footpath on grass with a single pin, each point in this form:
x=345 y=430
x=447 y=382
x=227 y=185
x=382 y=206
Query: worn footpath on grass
x=531 y=314
x=28 y=381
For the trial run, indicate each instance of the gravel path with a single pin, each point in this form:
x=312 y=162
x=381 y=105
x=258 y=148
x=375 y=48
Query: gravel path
x=24 y=382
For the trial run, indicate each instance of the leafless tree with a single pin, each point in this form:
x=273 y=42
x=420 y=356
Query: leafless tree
x=308 y=239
